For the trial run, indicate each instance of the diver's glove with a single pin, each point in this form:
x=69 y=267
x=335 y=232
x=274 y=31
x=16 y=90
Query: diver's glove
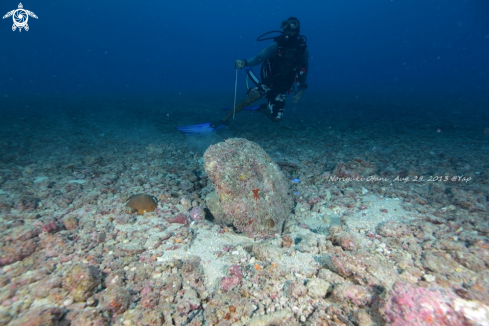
x=297 y=96
x=240 y=63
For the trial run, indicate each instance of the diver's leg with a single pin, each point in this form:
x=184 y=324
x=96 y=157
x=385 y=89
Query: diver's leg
x=253 y=97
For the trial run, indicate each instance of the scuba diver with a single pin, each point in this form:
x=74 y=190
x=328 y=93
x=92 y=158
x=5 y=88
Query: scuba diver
x=284 y=62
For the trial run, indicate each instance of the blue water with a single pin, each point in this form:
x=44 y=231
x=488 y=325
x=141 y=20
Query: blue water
x=402 y=48
x=384 y=69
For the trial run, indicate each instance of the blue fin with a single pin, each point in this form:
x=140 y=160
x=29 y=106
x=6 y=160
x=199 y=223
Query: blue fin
x=201 y=128
x=247 y=108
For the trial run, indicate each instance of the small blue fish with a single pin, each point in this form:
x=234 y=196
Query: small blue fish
x=296 y=192
x=296 y=180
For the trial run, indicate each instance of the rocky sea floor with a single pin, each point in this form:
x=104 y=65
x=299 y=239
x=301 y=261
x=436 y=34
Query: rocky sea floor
x=390 y=223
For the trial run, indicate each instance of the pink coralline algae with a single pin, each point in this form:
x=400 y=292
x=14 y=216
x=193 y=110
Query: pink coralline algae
x=252 y=190
x=50 y=227
x=410 y=305
x=229 y=282
x=197 y=214
x=179 y=219
x=346 y=240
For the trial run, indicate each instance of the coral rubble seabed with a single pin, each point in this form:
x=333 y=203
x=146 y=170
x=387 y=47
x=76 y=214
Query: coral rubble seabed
x=365 y=240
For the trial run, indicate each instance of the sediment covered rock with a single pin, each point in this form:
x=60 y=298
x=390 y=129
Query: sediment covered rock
x=252 y=190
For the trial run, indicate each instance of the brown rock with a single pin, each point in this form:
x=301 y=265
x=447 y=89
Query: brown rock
x=287 y=241
x=436 y=263
x=252 y=190
x=365 y=268
x=349 y=292
x=296 y=289
x=346 y=240
x=47 y=316
x=116 y=299
x=70 y=223
x=81 y=281
x=142 y=203
x=393 y=229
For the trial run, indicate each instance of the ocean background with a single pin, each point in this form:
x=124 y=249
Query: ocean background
x=419 y=64
x=374 y=67
x=92 y=94
x=430 y=49
x=429 y=59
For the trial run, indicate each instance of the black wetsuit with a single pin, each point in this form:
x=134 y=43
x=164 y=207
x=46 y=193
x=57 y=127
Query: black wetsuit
x=280 y=67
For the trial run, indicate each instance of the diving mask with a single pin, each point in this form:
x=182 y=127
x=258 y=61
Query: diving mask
x=290 y=24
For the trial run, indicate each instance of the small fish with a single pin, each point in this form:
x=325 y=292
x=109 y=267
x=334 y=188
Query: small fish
x=296 y=180
x=296 y=192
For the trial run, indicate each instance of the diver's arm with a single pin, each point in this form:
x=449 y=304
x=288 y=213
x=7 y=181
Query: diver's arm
x=304 y=64
x=265 y=54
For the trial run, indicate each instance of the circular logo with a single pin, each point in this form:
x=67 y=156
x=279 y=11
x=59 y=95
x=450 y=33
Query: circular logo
x=20 y=17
